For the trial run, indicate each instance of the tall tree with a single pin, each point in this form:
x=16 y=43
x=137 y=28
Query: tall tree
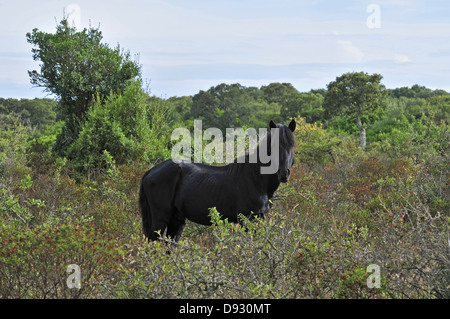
x=355 y=93
x=75 y=66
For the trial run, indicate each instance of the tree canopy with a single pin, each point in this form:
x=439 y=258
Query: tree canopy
x=355 y=93
x=76 y=65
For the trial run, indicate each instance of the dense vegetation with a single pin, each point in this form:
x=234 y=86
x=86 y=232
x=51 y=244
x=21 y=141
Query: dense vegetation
x=345 y=207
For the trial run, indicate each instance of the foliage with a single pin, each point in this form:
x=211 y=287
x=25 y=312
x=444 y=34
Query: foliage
x=121 y=128
x=416 y=91
x=355 y=93
x=13 y=146
x=36 y=113
x=74 y=67
x=278 y=92
x=180 y=108
x=34 y=261
x=222 y=106
x=308 y=105
x=40 y=146
x=314 y=144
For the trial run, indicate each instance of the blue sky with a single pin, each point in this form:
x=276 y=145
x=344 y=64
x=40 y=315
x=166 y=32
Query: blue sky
x=186 y=46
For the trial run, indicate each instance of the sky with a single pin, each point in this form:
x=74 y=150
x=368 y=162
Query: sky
x=185 y=46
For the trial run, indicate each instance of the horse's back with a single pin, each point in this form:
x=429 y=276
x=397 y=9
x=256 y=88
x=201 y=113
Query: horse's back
x=204 y=186
x=189 y=189
x=201 y=187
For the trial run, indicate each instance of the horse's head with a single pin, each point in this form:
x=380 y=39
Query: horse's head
x=285 y=150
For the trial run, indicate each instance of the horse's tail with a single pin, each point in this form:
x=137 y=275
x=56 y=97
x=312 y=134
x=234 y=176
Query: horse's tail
x=145 y=209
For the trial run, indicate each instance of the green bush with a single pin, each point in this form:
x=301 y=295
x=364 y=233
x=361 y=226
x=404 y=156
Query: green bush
x=314 y=144
x=270 y=258
x=33 y=261
x=126 y=126
x=40 y=149
x=13 y=145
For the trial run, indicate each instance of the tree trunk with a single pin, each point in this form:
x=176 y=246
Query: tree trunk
x=362 y=131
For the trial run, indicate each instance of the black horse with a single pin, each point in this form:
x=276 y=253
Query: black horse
x=173 y=191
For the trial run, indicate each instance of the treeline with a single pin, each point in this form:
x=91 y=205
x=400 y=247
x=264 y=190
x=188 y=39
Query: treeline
x=234 y=105
x=36 y=113
x=134 y=126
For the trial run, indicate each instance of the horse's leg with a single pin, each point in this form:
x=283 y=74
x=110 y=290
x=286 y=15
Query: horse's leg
x=175 y=228
x=160 y=220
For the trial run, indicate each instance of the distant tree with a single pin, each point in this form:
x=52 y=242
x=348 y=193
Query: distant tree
x=416 y=91
x=74 y=67
x=308 y=105
x=205 y=106
x=262 y=113
x=179 y=108
x=286 y=96
x=355 y=93
x=322 y=92
x=222 y=106
x=279 y=93
x=439 y=107
x=421 y=91
x=255 y=93
x=37 y=112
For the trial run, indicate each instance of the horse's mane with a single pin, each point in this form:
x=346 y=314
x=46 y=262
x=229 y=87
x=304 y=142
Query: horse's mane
x=287 y=139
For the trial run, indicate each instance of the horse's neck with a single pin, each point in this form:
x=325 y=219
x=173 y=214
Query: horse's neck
x=272 y=184
x=251 y=172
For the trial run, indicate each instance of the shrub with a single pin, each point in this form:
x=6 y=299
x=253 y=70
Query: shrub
x=314 y=144
x=232 y=261
x=13 y=148
x=127 y=126
x=270 y=258
x=33 y=261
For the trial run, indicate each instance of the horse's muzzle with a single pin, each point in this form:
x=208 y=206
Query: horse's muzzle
x=284 y=177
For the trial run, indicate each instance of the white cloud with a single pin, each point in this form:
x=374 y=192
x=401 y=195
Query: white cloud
x=350 y=51
x=401 y=58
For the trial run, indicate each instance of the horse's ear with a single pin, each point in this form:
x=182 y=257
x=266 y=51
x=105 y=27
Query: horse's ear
x=292 y=125
x=272 y=124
